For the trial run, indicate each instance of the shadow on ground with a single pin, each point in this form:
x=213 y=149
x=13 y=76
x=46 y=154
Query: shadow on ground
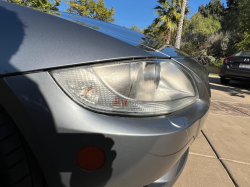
x=234 y=88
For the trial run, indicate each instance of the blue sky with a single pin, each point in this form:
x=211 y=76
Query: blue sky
x=140 y=12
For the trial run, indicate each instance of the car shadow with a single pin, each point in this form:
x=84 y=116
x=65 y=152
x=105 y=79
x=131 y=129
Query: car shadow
x=234 y=88
x=64 y=144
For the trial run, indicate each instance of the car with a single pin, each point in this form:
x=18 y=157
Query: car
x=88 y=103
x=236 y=67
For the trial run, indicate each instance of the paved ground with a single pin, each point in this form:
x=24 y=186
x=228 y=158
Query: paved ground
x=220 y=155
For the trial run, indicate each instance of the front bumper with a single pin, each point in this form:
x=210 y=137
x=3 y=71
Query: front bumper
x=233 y=73
x=139 y=150
x=170 y=177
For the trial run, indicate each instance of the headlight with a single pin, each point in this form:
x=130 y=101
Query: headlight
x=148 y=87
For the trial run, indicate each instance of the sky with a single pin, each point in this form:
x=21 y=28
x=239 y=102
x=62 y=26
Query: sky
x=140 y=12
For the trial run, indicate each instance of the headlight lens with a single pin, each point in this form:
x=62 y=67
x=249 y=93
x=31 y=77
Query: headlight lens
x=149 y=87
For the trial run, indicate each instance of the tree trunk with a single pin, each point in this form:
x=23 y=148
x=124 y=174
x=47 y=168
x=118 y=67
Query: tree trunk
x=168 y=37
x=179 y=30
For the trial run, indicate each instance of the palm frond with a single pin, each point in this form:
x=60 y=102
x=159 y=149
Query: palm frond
x=158 y=7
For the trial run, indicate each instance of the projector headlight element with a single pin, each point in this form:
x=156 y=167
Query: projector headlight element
x=148 y=87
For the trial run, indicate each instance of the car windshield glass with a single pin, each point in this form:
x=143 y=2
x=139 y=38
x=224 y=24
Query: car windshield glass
x=243 y=53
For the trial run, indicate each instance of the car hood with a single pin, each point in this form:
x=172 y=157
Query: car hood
x=35 y=40
x=138 y=40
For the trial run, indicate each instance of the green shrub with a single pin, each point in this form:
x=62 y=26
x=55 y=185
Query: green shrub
x=244 y=44
x=211 y=59
x=204 y=25
x=189 y=48
x=218 y=63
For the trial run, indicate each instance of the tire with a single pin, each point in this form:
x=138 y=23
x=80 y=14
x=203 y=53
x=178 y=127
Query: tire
x=18 y=166
x=224 y=81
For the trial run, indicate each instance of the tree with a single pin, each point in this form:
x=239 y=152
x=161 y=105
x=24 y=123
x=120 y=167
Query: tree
x=231 y=19
x=168 y=17
x=214 y=8
x=153 y=31
x=135 y=28
x=237 y=19
x=91 y=8
x=44 y=4
x=216 y=31
x=232 y=4
x=204 y=25
x=179 y=30
x=244 y=16
x=244 y=44
x=237 y=16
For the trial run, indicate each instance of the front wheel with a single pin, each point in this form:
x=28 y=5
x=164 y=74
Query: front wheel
x=18 y=165
x=224 y=81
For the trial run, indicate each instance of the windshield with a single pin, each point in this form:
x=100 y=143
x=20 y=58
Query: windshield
x=243 y=53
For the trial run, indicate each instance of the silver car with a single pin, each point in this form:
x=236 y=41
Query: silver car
x=84 y=103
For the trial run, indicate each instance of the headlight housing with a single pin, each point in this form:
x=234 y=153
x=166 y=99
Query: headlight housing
x=145 y=87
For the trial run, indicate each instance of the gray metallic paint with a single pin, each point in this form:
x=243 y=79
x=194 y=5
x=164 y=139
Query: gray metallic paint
x=173 y=174
x=52 y=41
x=56 y=127
x=62 y=127
x=136 y=39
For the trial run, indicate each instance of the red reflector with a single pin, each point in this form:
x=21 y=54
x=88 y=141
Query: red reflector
x=220 y=72
x=90 y=158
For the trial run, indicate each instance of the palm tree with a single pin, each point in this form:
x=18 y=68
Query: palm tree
x=168 y=17
x=179 y=30
x=153 y=31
